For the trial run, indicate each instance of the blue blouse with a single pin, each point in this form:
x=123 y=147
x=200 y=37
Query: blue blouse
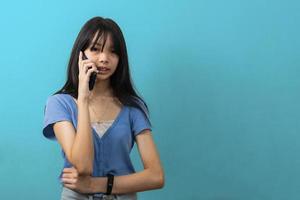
x=113 y=148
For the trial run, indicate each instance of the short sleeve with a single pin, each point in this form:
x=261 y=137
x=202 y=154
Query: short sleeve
x=140 y=121
x=55 y=111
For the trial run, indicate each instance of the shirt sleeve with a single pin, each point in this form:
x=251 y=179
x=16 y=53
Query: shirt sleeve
x=140 y=121
x=55 y=111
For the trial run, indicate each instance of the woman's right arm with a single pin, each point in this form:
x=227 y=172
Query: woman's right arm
x=78 y=144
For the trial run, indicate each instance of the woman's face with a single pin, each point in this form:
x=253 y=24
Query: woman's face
x=106 y=60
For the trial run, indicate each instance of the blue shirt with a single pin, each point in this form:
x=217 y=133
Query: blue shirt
x=113 y=148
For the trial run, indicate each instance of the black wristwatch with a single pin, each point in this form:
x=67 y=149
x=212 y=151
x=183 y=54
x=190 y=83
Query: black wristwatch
x=110 y=183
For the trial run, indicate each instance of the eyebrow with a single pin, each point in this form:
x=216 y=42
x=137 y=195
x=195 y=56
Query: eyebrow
x=99 y=44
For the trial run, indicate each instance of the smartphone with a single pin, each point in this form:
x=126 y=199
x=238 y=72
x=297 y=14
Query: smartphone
x=93 y=75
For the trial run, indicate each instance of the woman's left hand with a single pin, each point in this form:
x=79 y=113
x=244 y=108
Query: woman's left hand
x=72 y=180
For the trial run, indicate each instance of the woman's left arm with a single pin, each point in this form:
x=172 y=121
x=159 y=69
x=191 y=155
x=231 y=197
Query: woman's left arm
x=152 y=177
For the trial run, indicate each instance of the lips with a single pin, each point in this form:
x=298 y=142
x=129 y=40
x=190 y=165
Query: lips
x=103 y=68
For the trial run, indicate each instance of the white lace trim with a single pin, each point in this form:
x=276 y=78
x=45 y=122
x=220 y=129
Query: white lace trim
x=101 y=127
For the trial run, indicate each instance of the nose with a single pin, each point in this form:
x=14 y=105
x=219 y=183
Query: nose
x=103 y=58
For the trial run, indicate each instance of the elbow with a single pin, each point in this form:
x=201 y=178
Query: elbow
x=84 y=167
x=159 y=179
x=84 y=170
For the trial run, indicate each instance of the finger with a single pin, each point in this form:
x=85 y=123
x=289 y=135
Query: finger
x=70 y=175
x=90 y=66
x=70 y=186
x=84 y=65
x=68 y=180
x=91 y=70
x=67 y=175
x=69 y=170
x=80 y=56
x=80 y=60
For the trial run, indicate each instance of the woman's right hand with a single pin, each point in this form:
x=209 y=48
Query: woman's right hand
x=86 y=67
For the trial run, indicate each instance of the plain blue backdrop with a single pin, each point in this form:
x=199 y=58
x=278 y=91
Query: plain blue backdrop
x=221 y=78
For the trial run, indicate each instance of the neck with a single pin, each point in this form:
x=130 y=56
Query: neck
x=102 y=89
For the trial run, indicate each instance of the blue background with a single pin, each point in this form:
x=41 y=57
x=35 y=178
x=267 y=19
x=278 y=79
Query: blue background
x=221 y=79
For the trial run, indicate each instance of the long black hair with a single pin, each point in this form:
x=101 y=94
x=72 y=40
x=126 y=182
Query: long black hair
x=120 y=81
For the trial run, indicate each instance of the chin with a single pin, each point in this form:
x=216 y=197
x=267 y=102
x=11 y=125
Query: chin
x=103 y=76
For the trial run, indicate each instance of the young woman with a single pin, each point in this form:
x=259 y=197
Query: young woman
x=98 y=127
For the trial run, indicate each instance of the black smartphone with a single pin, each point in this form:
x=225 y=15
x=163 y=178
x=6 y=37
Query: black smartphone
x=93 y=75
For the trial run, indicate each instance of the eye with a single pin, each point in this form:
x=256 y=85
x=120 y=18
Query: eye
x=95 y=49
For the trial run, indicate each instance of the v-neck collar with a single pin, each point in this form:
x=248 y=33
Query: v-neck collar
x=94 y=131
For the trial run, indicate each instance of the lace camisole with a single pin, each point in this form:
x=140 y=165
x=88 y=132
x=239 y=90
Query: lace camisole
x=101 y=127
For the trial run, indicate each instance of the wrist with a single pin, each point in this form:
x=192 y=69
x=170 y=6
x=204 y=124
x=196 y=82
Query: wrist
x=98 y=184
x=83 y=100
x=110 y=183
